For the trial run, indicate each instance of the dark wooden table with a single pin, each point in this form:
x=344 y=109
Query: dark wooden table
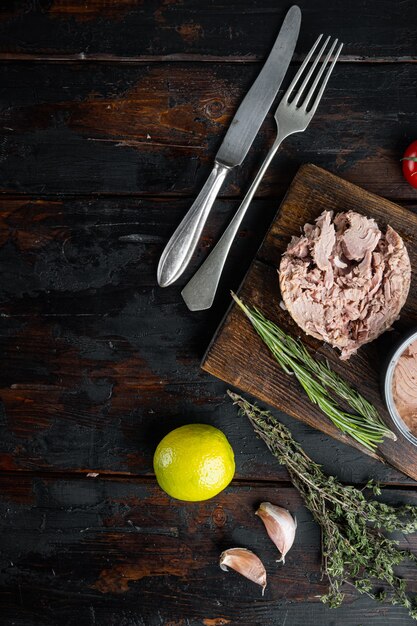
x=111 y=113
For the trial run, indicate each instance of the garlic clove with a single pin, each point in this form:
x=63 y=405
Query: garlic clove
x=280 y=526
x=246 y=563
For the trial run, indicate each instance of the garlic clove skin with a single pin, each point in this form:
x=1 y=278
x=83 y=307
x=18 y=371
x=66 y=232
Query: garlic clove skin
x=246 y=563
x=280 y=526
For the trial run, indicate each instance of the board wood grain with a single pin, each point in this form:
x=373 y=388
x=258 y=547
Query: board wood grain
x=153 y=129
x=100 y=363
x=238 y=356
x=238 y=29
x=117 y=548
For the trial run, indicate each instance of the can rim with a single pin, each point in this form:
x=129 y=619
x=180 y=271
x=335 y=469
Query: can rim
x=389 y=400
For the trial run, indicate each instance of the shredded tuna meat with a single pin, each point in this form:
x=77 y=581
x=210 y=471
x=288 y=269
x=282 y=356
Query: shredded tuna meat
x=404 y=387
x=344 y=281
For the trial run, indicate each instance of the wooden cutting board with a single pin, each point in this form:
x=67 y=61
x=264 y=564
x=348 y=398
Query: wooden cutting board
x=238 y=356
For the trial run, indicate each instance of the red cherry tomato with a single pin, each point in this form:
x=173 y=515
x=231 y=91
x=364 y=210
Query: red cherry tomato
x=409 y=161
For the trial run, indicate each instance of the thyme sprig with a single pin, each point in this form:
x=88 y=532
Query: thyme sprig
x=318 y=379
x=355 y=549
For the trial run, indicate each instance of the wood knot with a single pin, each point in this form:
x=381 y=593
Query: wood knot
x=219 y=517
x=214 y=109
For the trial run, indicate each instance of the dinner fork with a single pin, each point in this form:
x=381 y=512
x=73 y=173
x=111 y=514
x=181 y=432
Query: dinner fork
x=293 y=115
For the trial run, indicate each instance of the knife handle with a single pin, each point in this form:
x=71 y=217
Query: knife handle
x=180 y=247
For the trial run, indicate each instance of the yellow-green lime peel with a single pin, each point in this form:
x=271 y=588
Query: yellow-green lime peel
x=194 y=462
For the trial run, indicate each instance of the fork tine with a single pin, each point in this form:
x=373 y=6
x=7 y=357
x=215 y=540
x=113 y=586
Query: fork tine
x=298 y=96
x=313 y=87
x=300 y=71
x=326 y=78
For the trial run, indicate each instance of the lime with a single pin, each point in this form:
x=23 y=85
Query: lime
x=194 y=462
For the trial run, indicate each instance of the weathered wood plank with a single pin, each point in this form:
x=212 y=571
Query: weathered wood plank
x=100 y=361
x=132 y=28
x=107 y=547
x=64 y=246
x=78 y=427
x=154 y=129
x=97 y=394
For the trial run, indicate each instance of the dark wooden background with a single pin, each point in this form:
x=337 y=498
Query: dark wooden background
x=110 y=115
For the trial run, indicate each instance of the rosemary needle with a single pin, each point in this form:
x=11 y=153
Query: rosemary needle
x=318 y=380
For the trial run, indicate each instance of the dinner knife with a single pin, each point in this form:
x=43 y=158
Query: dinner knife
x=239 y=138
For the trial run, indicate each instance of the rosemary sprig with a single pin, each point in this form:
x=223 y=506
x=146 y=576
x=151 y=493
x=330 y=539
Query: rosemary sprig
x=355 y=549
x=317 y=379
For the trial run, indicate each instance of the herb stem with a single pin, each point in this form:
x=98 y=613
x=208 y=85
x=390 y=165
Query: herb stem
x=355 y=547
x=318 y=381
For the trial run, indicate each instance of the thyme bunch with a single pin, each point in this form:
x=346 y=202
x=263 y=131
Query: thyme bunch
x=318 y=379
x=355 y=549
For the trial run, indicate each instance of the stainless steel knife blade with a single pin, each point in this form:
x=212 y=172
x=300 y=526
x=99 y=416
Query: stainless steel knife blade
x=239 y=138
x=257 y=102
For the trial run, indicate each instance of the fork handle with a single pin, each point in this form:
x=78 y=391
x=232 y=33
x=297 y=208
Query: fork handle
x=179 y=249
x=200 y=290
